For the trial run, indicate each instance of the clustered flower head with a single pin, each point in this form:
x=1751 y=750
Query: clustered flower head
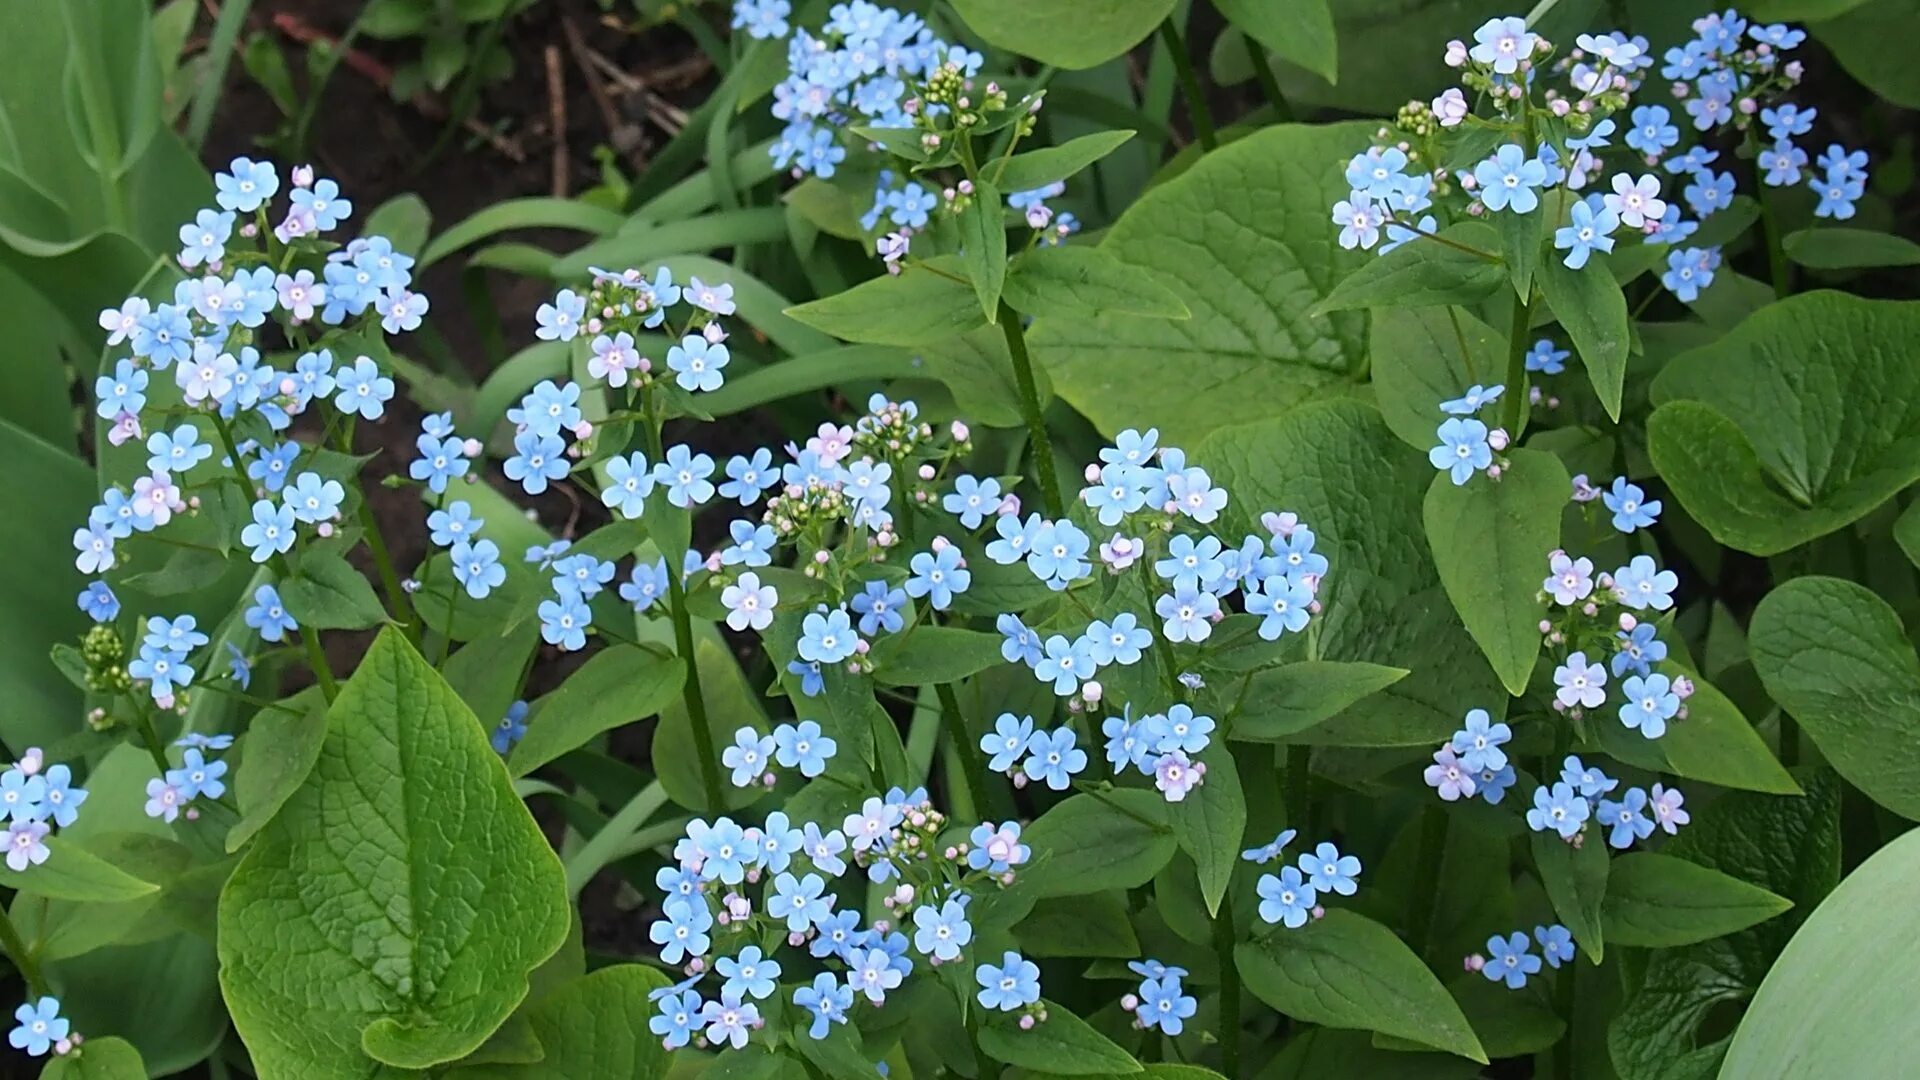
x=1557 y=141
x=1292 y=897
x=1509 y=959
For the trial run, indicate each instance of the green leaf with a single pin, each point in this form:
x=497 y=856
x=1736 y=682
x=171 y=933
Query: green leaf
x=1211 y=823
x=1576 y=882
x=1063 y=1045
x=1064 y=33
x=1800 y=10
x=368 y=924
x=1490 y=541
x=840 y=365
x=587 y=1028
x=403 y=219
x=487 y=673
x=1347 y=971
x=326 y=593
x=1906 y=533
x=1593 y=311
x=101 y=1058
x=1870 y=42
x=1658 y=902
x=925 y=655
x=731 y=703
x=1520 y=240
x=536 y=212
x=1837 y=659
x=1292 y=698
x=924 y=303
x=1299 y=30
x=978 y=369
x=828 y=207
x=1241 y=239
x=1082 y=282
x=1848 y=249
x=38 y=581
x=619 y=685
x=1714 y=743
x=1038 y=168
x=1091 y=843
x=1801 y=420
x=1418 y=362
x=1339 y=467
x=1424 y=272
x=71 y=872
x=1095 y=924
x=186 y=570
x=1836 y=1003
x=277 y=755
x=983 y=247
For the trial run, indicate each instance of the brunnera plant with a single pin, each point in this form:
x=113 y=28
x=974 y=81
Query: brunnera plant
x=1232 y=647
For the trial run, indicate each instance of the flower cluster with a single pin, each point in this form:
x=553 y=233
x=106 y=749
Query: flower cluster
x=1160 y=1003
x=733 y=888
x=1467 y=445
x=1509 y=960
x=36 y=799
x=1292 y=896
x=42 y=1028
x=1578 y=794
x=1547 y=138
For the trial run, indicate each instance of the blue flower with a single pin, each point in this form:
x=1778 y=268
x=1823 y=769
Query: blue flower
x=1509 y=960
x=748 y=477
x=677 y=1018
x=1286 y=898
x=1641 y=584
x=1191 y=565
x=178 y=635
x=454 y=523
x=246 y=185
x=685 y=475
x=1638 y=650
x=1329 y=871
x=1493 y=784
x=271 y=532
x=177 y=452
x=1013 y=985
x=699 y=362
x=1502 y=44
x=1588 y=231
x=827 y=999
x=270 y=468
x=871 y=972
x=1164 y=1005
x=909 y=206
x=1838 y=193
x=1782 y=162
x=549 y=409
x=1187 y=615
x=1589 y=782
x=197 y=776
x=23 y=796
x=1296 y=555
x=803 y=745
x=1628 y=819
x=1476 y=398
x=1374 y=171
x=99 y=603
x=1507 y=180
x=827 y=637
x=1359 y=220
x=1117 y=642
x=1015 y=538
x=477 y=566
x=1652 y=133
x=581 y=574
x=942 y=933
x=1192 y=493
x=1007 y=741
x=1057 y=553
x=1578 y=683
x=1463 y=449
x=1066 y=664
x=61 y=800
x=715 y=299
x=564 y=622
x=322 y=203
x=400 y=310
x=1837 y=161
x=269 y=615
x=682 y=931
x=122 y=392
x=1479 y=742
x=1283 y=604
x=164 y=670
x=1270 y=850
x=1649 y=703
x=440 y=460
x=536 y=460
x=362 y=389
x=937 y=576
x=1021 y=645
x=748 y=756
x=811 y=681
x=1710 y=192
x=879 y=608
x=511 y=728
x=1556 y=942
x=751 y=974
x=996 y=848
x=1631 y=509
x=1597 y=137
x=313 y=500
x=560 y=320
x=1788 y=120
x=1559 y=809
x=40 y=1026
x=972 y=499
x=1053 y=759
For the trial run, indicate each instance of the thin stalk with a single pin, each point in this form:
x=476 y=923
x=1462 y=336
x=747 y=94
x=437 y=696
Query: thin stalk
x=1270 y=86
x=1777 y=268
x=1298 y=788
x=696 y=704
x=397 y=599
x=1197 y=111
x=1030 y=410
x=21 y=956
x=1563 y=1001
x=309 y=639
x=1426 y=880
x=151 y=739
x=1514 y=411
x=955 y=726
x=103 y=127
x=1229 y=1033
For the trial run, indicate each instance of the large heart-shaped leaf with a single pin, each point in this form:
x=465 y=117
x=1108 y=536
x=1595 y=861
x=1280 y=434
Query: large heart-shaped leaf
x=1360 y=489
x=1064 y=33
x=1837 y=659
x=1801 y=420
x=1242 y=238
x=587 y=1030
x=390 y=913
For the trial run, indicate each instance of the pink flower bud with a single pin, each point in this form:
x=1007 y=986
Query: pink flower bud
x=1026 y=1023
x=1091 y=691
x=1497 y=438
x=822 y=557
x=1130 y=1002
x=1474 y=962
x=1546 y=627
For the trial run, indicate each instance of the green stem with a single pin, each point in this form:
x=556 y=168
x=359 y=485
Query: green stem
x=696 y=704
x=103 y=128
x=397 y=599
x=1299 y=788
x=1223 y=936
x=21 y=956
x=1270 y=86
x=151 y=739
x=310 y=640
x=1514 y=411
x=1197 y=111
x=954 y=724
x=1030 y=410
x=1563 y=999
x=1777 y=268
x=1426 y=880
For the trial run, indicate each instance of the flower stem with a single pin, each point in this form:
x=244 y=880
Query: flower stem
x=1263 y=73
x=1223 y=936
x=1197 y=111
x=1030 y=409
x=1426 y=880
x=1299 y=787
x=1563 y=999
x=954 y=723
x=397 y=599
x=1514 y=411
x=21 y=956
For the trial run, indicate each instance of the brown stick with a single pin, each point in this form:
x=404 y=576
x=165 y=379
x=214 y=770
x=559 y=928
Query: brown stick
x=557 y=119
